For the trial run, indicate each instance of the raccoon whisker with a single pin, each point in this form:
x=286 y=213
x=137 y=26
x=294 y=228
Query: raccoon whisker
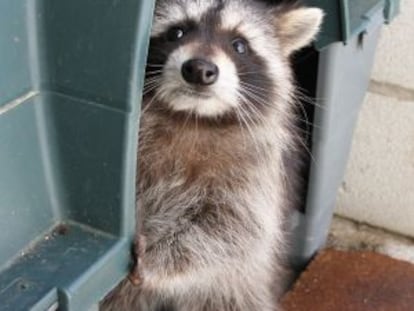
x=248 y=73
x=246 y=126
x=153 y=69
x=305 y=114
x=237 y=111
x=257 y=98
x=257 y=113
x=303 y=141
x=155 y=82
x=155 y=65
x=241 y=109
x=306 y=132
x=253 y=110
x=151 y=85
x=301 y=130
x=306 y=122
x=309 y=101
x=145 y=93
x=305 y=146
x=183 y=129
x=242 y=125
x=151 y=81
x=152 y=100
x=250 y=109
x=154 y=72
x=255 y=87
x=193 y=93
x=248 y=121
x=300 y=94
x=149 y=90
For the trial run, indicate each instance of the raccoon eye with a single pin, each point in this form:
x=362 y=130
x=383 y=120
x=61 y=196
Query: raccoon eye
x=240 y=45
x=175 y=34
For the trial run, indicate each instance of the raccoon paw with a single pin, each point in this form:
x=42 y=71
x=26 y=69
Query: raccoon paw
x=136 y=274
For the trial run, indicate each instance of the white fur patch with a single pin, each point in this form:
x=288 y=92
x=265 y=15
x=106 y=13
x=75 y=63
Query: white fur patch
x=260 y=35
x=173 y=12
x=298 y=28
x=216 y=100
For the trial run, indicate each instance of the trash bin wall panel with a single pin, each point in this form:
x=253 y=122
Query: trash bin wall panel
x=15 y=76
x=26 y=209
x=343 y=77
x=345 y=19
x=71 y=135
x=93 y=101
x=86 y=60
x=88 y=145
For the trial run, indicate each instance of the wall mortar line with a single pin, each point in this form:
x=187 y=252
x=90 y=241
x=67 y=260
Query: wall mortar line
x=391 y=90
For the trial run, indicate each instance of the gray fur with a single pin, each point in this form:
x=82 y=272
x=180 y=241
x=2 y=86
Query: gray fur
x=212 y=196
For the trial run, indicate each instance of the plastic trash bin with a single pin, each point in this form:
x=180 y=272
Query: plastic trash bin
x=334 y=74
x=71 y=74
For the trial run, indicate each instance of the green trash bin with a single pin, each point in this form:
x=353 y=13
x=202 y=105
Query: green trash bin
x=71 y=74
x=335 y=75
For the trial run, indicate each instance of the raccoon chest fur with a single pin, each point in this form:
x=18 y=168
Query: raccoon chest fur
x=216 y=178
x=191 y=154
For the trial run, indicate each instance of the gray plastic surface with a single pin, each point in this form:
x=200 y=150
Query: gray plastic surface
x=343 y=78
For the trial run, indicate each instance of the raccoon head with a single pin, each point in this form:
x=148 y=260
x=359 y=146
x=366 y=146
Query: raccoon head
x=225 y=58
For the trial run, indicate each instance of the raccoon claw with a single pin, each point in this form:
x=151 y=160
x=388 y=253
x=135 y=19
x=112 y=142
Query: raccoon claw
x=135 y=276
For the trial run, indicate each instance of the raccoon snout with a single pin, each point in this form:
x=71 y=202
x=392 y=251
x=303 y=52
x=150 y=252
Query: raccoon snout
x=200 y=72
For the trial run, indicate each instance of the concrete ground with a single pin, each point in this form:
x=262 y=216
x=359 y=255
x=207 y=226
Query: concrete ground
x=348 y=235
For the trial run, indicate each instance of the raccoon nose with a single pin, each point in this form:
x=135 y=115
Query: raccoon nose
x=200 y=72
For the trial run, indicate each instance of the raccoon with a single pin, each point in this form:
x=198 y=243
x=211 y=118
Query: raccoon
x=217 y=124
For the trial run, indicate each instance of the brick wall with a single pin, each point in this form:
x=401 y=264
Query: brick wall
x=379 y=183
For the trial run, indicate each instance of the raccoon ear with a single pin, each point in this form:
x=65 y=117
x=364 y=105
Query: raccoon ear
x=297 y=27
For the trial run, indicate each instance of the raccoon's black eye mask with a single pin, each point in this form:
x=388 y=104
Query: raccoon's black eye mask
x=178 y=33
x=175 y=34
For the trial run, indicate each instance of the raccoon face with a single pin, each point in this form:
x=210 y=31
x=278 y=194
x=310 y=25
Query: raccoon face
x=221 y=58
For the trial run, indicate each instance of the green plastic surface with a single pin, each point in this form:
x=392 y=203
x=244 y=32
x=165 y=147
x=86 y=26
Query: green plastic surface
x=344 y=19
x=71 y=75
